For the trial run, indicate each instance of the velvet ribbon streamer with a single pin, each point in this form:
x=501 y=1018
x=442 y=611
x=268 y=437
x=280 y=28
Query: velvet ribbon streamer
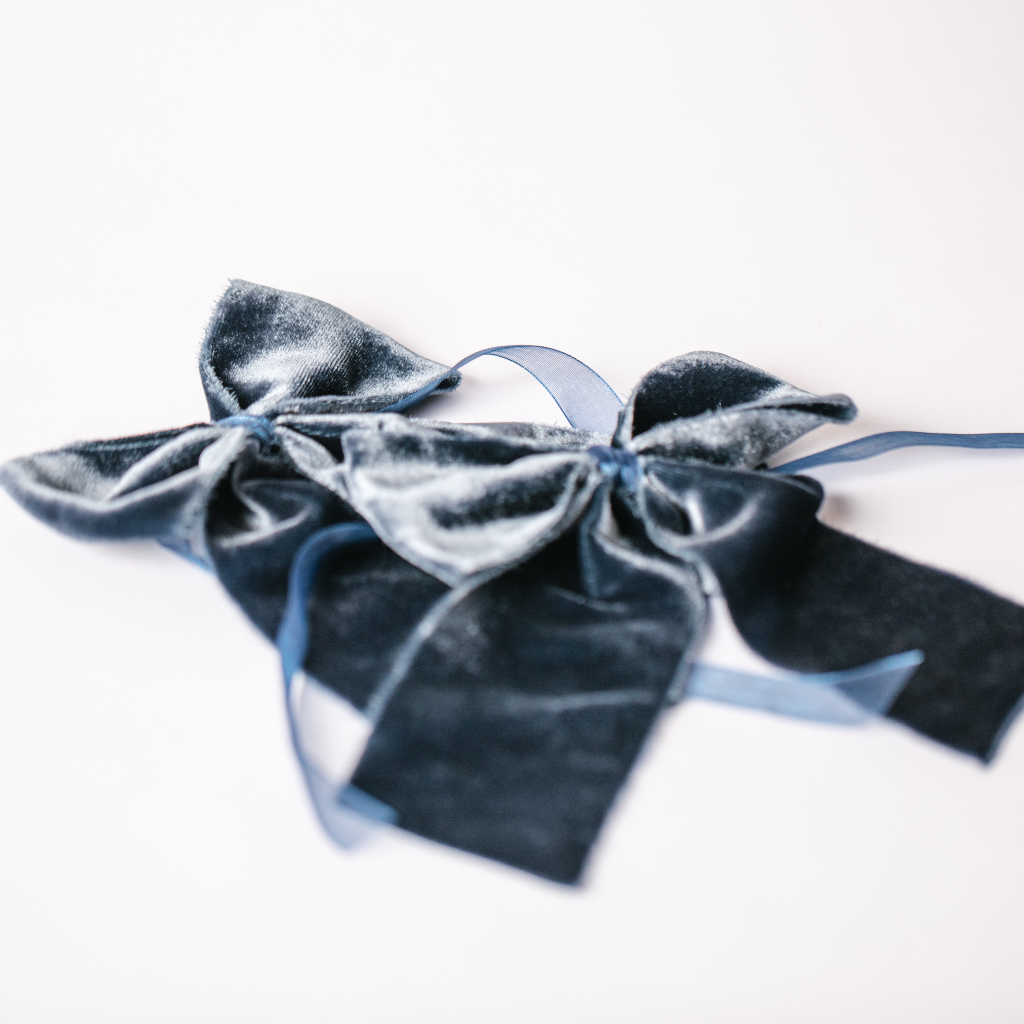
x=479 y=624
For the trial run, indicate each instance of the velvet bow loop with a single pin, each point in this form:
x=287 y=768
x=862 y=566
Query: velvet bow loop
x=707 y=407
x=463 y=502
x=154 y=486
x=269 y=352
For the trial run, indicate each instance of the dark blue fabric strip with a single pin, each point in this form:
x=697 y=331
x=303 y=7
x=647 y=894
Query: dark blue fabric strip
x=878 y=444
x=585 y=398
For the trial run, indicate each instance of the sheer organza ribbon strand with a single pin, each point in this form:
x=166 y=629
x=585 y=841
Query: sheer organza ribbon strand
x=879 y=444
x=585 y=398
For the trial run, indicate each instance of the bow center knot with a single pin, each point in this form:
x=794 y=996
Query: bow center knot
x=619 y=465
x=258 y=425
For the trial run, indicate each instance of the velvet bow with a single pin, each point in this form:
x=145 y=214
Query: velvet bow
x=470 y=502
x=522 y=600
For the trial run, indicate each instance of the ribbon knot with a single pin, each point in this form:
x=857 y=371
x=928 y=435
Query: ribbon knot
x=262 y=427
x=619 y=465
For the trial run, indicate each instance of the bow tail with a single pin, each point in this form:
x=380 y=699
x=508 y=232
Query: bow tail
x=840 y=602
x=503 y=716
x=521 y=714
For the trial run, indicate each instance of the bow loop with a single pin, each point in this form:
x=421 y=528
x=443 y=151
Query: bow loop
x=268 y=352
x=707 y=407
x=462 y=501
x=152 y=486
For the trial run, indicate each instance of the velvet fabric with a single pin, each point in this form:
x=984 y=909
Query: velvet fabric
x=535 y=593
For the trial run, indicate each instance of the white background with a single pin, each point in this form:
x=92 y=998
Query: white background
x=829 y=190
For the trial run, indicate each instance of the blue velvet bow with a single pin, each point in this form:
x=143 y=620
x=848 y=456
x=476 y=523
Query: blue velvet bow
x=480 y=623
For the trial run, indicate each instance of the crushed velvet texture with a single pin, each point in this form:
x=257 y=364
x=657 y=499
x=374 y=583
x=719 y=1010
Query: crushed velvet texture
x=268 y=351
x=707 y=407
x=535 y=592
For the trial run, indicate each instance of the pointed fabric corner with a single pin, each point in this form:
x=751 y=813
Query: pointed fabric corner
x=843 y=602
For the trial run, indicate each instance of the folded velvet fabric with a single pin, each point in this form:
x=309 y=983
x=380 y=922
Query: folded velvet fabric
x=479 y=624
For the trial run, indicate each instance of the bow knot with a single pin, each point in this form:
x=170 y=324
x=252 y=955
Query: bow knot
x=619 y=465
x=262 y=427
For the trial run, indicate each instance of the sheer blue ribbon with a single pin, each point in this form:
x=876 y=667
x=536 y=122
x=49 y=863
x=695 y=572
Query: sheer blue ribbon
x=879 y=444
x=342 y=811
x=848 y=697
x=258 y=425
x=618 y=464
x=585 y=398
